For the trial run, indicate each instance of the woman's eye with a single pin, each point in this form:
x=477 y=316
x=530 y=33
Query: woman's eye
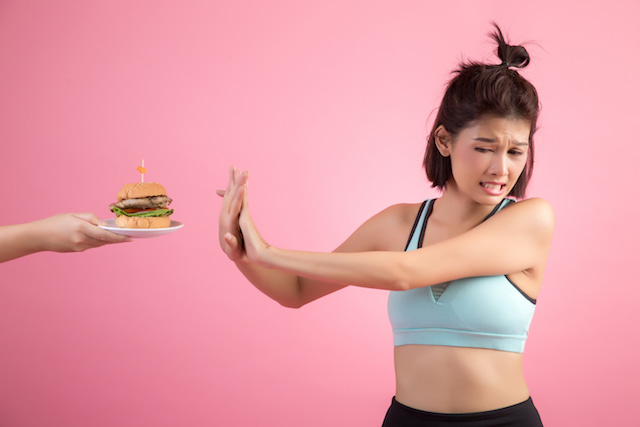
x=516 y=152
x=483 y=150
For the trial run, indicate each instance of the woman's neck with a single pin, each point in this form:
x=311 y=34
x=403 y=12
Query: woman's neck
x=458 y=211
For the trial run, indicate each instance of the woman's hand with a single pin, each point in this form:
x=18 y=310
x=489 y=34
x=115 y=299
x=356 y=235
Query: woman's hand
x=255 y=247
x=230 y=236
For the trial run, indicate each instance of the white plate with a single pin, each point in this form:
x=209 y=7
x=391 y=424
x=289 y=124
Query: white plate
x=141 y=233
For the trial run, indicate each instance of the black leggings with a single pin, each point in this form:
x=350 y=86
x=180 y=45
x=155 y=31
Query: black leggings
x=522 y=414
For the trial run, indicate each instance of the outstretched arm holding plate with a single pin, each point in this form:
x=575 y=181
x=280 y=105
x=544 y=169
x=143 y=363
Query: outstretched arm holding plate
x=69 y=232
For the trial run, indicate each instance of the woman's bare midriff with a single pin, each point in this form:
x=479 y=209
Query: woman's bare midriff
x=458 y=380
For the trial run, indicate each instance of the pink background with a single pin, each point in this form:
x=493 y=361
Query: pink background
x=327 y=104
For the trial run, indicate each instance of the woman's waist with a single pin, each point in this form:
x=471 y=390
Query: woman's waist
x=458 y=379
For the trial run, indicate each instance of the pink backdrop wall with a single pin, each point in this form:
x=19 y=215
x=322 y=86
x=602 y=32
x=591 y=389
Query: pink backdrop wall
x=327 y=104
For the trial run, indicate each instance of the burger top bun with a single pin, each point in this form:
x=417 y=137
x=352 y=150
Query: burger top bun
x=141 y=189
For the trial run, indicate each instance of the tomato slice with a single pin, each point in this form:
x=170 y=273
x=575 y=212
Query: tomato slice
x=133 y=210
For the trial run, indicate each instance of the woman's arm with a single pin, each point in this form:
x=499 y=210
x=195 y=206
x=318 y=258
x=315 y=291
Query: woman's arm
x=289 y=288
x=59 y=233
x=293 y=290
x=516 y=239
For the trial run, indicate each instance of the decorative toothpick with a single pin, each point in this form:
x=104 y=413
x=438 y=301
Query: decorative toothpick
x=142 y=171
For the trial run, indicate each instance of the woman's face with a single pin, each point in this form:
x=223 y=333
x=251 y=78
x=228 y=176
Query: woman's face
x=488 y=156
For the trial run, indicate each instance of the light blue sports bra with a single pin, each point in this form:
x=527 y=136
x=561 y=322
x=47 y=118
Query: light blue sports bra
x=483 y=312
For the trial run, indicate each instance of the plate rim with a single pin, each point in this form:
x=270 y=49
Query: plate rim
x=112 y=225
x=140 y=232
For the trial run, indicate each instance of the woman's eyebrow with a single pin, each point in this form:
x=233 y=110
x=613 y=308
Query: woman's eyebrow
x=481 y=139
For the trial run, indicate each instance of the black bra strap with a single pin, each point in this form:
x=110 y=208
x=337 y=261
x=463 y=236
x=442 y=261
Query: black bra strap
x=415 y=223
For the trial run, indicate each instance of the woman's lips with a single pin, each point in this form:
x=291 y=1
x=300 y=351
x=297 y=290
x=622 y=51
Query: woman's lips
x=493 y=188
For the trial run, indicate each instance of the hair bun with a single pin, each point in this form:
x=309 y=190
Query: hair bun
x=511 y=56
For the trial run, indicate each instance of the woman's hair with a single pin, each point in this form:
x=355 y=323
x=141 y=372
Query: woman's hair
x=485 y=90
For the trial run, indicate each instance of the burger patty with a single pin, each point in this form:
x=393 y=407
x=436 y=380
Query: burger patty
x=144 y=203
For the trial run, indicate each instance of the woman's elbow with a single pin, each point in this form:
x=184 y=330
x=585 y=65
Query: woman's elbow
x=400 y=285
x=292 y=303
x=403 y=276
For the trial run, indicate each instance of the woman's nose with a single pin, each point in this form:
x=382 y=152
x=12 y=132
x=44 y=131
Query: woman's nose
x=498 y=165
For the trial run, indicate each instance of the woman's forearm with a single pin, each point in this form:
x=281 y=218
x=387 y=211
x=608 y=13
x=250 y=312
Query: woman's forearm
x=288 y=289
x=377 y=270
x=277 y=285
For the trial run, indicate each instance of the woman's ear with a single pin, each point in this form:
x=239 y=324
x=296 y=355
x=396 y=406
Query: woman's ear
x=443 y=141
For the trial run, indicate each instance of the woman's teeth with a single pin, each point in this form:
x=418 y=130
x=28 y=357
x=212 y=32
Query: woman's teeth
x=495 y=187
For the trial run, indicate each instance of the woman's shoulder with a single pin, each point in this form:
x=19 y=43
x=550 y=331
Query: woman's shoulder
x=535 y=205
x=386 y=230
x=535 y=212
x=400 y=212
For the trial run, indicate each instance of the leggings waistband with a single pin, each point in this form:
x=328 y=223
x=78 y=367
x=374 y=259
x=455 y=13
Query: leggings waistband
x=522 y=414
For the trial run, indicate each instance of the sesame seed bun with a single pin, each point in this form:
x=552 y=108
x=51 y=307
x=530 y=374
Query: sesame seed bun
x=141 y=189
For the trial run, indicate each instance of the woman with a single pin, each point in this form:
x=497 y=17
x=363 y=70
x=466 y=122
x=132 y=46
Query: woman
x=464 y=270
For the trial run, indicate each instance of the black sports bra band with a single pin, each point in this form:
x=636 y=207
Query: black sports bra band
x=415 y=223
x=424 y=223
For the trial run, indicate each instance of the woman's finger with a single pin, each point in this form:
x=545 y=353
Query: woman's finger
x=232 y=189
x=91 y=218
x=232 y=173
x=231 y=240
x=236 y=202
x=99 y=236
x=238 y=193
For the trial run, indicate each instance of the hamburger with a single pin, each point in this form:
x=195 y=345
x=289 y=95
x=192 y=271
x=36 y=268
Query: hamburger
x=142 y=205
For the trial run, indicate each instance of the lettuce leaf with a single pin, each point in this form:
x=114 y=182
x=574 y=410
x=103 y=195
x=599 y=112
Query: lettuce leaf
x=156 y=212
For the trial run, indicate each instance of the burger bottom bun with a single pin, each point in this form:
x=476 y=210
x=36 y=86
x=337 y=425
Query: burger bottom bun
x=124 y=221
